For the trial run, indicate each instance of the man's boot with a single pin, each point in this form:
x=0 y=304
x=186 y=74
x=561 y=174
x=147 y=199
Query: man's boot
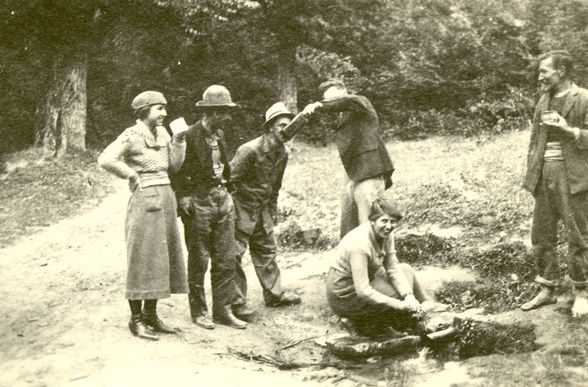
x=243 y=312
x=198 y=309
x=225 y=316
x=545 y=296
x=286 y=299
x=139 y=329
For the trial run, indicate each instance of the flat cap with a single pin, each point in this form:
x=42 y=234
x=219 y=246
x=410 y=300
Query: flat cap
x=148 y=98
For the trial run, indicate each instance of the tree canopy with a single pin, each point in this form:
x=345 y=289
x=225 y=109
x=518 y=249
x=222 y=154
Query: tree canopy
x=428 y=66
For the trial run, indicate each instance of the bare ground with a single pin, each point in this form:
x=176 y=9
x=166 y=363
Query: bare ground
x=64 y=317
x=64 y=323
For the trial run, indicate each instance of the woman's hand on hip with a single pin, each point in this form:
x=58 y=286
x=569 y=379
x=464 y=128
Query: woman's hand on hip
x=134 y=181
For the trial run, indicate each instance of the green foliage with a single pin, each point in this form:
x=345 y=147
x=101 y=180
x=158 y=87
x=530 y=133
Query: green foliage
x=430 y=67
x=422 y=249
x=477 y=338
x=493 y=295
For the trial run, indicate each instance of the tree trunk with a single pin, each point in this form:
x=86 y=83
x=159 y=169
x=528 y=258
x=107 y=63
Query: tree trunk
x=63 y=121
x=287 y=78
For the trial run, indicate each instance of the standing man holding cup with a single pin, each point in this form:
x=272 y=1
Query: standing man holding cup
x=207 y=211
x=557 y=176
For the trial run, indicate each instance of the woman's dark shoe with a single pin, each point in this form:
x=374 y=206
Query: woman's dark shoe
x=203 y=321
x=226 y=317
x=286 y=299
x=141 y=330
x=153 y=322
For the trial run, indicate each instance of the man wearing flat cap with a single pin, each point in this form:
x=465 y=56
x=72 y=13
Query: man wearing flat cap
x=206 y=209
x=364 y=155
x=256 y=177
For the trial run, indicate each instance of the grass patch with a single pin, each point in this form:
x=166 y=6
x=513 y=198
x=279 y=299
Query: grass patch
x=447 y=181
x=35 y=195
x=478 y=338
x=424 y=249
x=494 y=296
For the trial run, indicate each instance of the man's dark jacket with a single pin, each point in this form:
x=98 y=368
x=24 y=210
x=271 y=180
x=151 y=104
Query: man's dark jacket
x=196 y=176
x=362 y=151
x=575 y=152
x=257 y=171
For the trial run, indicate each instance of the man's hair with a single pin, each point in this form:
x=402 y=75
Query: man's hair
x=560 y=58
x=331 y=83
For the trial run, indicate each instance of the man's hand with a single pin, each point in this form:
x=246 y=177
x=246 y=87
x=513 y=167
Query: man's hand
x=185 y=206
x=310 y=108
x=560 y=124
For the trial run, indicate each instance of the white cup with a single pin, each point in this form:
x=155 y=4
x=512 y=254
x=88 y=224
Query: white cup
x=178 y=125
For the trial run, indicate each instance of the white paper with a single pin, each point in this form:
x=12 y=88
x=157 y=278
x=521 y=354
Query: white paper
x=178 y=125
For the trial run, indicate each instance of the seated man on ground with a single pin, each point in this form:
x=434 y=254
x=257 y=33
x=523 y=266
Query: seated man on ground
x=367 y=285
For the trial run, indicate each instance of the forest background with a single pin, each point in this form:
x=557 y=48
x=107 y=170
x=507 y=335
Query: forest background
x=430 y=67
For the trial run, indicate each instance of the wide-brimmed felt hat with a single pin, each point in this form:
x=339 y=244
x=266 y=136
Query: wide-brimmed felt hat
x=277 y=110
x=216 y=96
x=148 y=98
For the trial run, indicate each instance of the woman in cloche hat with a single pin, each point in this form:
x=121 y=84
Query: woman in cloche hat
x=144 y=154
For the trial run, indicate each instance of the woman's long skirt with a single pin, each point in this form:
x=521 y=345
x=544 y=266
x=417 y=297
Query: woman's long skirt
x=155 y=262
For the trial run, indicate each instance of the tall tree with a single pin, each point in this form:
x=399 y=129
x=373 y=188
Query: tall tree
x=61 y=33
x=278 y=33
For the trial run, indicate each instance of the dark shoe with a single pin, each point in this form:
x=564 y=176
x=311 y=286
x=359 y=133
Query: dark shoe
x=243 y=312
x=203 y=321
x=153 y=322
x=286 y=299
x=139 y=329
x=226 y=317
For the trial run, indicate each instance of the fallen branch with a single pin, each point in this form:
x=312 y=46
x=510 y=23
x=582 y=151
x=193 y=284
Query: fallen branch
x=295 y=343
x=282 y=364
x=272 y=360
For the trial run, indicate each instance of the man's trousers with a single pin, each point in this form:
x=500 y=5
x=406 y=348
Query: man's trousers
x=210 y=235
x=356 y=201
x=262 y=248
x=553 y=201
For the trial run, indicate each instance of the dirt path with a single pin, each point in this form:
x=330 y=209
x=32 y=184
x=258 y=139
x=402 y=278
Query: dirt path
x=63 y=320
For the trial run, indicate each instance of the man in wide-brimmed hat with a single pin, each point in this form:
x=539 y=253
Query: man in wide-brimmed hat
x=206 y=209
x=367 y=163
x=256 y=176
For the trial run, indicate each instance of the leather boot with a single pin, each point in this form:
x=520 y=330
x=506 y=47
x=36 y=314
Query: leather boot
x=139 y=329
x=226 y=317
x=198 y=308
x=203 y=321
x=243 y=312
x=286 y=299
x=153 y=322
